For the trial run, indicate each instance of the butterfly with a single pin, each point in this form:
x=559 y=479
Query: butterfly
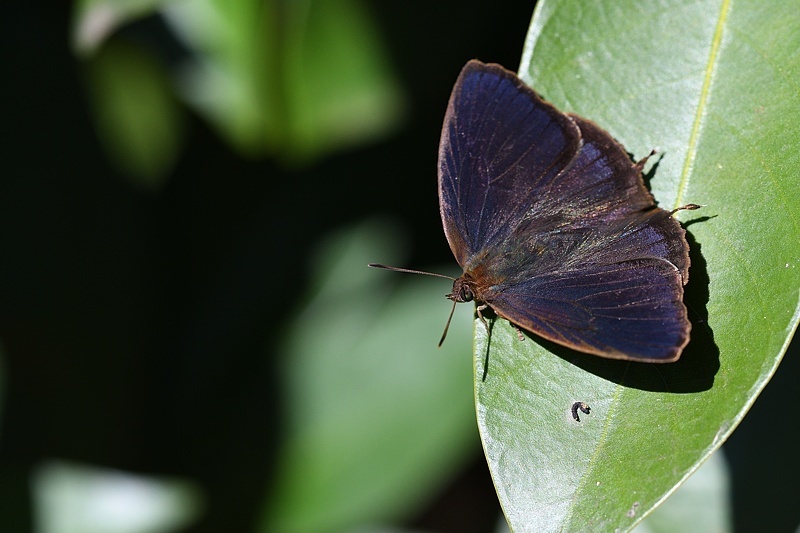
x=553 y=226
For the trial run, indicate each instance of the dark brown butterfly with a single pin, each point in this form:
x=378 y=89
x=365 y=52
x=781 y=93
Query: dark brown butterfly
x=553 y=226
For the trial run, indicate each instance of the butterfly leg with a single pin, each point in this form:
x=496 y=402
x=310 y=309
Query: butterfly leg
x=641 y=163
x=480 y=315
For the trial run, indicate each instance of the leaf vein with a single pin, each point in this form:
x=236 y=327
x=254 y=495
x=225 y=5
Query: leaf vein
x=691 y=153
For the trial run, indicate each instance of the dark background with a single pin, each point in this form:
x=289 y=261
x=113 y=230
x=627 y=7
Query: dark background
x=137 y=325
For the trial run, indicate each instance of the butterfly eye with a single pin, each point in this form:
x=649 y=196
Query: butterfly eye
x=466 y=294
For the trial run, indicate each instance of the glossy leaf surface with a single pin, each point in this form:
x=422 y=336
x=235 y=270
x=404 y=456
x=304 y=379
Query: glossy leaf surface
x=719 y=99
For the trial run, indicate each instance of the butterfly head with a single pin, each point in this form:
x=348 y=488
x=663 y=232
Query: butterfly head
x=462 y=290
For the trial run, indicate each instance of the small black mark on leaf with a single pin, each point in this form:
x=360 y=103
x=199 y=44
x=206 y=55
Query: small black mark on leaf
x=583 y=407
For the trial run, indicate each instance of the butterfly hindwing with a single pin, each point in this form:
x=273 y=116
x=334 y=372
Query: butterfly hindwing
x=623 y=306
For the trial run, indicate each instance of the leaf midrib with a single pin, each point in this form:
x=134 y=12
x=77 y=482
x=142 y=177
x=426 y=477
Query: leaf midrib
x=683 y=184
x=691 y=152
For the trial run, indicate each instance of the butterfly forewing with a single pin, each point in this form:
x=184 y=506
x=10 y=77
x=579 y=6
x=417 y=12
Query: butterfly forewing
x=499 y=148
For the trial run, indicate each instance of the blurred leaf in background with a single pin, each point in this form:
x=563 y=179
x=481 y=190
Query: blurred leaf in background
x=73 y=498
x=138 y=120
x=294 y=80
x=378 y=416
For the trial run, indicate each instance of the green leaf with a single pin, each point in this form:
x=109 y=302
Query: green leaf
x=294 y=79
x=231 y=78
x=136 y=115
x=378 y=416
x=714 y=86
x=94 y=21
x=78 y=498
x=339 y=88
x=702 y=503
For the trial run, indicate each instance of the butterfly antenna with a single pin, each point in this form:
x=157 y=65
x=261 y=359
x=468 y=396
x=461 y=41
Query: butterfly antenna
x=447 y=326
x=398 y=269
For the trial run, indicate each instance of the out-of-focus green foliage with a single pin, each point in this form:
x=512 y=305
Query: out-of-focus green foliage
x=73 y=498
x=294 y=80
x=377 y=416
x=138 y=120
